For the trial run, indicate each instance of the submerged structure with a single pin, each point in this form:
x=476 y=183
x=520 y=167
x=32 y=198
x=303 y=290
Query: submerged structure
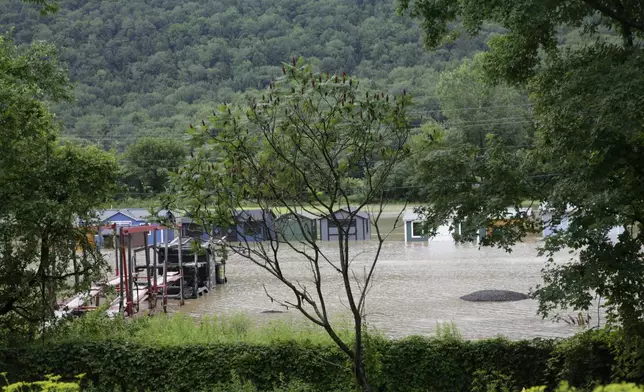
x=181 y=268
x=356 y=225
x=494 y=296
x=297 y=226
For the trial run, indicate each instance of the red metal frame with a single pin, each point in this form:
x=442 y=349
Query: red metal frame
x=124 y=271
x=126 y=232
x=141 y=229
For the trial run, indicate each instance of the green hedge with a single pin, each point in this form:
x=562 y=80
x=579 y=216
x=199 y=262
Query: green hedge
x=411 y=364
x=621 y=387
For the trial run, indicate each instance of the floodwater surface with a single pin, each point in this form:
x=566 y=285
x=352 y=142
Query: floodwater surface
x=416 y=286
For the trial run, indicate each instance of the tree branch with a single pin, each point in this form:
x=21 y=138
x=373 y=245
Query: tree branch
x=618 y=16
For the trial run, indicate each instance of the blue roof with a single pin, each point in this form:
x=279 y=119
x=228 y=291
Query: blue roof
x=137 y=214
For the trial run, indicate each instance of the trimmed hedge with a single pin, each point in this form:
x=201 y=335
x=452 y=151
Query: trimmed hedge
x=411 y=364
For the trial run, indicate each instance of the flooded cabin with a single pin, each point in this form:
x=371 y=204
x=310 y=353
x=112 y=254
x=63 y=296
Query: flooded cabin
x=255 y=225
x=355 y=224
x=297 y=226
x=251 y=226
x=415 y=231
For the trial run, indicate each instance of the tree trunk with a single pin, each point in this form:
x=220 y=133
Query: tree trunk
x=358 y=360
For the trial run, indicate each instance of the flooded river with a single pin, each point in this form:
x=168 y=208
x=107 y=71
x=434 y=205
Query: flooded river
x=416 y=286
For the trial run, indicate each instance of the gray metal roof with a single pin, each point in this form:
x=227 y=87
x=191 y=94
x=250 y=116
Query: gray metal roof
x=304 y=214
x=256 y=215
x=351 y=210
x=243 y=215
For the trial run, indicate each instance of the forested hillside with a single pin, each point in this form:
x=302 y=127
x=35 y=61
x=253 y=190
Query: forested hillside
x=151 y=67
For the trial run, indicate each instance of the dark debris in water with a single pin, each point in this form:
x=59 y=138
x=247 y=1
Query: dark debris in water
x=494 y=296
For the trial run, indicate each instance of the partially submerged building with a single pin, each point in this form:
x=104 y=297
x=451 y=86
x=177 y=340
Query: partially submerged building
x=556 y=222
x=414 y=229
x=297 y=226
x=356 y=225
x=250 y=226
x=134 y=217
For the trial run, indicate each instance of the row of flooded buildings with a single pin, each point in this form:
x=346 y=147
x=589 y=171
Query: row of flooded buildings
x=251 y=225
x=255 y=225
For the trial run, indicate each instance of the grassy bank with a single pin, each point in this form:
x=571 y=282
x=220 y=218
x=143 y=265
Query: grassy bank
x=181 y=329
x=179 y=353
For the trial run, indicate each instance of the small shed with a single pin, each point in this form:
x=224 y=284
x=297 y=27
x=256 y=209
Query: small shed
x=356 y=225
x=413 y=227
x=252 y=225
x=415 y=232
x=132 y=217
x=192 y=229
x=255 y=225
x=297 y=226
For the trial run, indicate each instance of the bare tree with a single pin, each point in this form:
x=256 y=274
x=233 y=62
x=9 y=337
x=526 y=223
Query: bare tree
x=312 y=145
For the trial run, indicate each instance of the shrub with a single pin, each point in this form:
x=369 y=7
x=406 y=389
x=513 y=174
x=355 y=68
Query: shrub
x=486 y=381
x=565 y=387
x=50 y=384
x=181 y=353
x=585 y=360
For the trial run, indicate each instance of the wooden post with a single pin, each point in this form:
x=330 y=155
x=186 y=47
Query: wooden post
x=123 y=276
x=147 y=267
x=209 y=258
x=117 y=250
x=165 y=273
x=130 y=299
x=195 y=285
x=155 y=289
x=116 y=247
x=179 y=249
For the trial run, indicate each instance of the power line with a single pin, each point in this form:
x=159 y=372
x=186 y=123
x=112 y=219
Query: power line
x=469 y=108
x=495 y=121
x=543 y=175
x=187 y=123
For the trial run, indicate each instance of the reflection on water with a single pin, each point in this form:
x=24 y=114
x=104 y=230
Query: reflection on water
x=415 y=287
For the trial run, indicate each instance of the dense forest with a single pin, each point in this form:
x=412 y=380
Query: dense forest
x=143 y=71
x=152 y=67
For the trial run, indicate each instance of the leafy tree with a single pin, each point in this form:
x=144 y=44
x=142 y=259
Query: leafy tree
x=48 y=193
x=586 y=159
x=46 y=7
x=297 y=148
x=474 y=108
x=147 y=163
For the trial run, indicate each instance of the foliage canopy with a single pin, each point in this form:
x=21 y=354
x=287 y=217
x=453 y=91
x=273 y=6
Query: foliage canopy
x=584 y=164
x=48 y=193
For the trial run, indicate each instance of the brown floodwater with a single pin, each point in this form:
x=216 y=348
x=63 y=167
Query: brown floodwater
x=416 y=286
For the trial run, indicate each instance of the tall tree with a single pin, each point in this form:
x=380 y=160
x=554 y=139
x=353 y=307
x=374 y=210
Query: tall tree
x=585 y=163
x=46 y=7
x=147 y=163
x=297 y=148
x=474 y=108
x=48 y=192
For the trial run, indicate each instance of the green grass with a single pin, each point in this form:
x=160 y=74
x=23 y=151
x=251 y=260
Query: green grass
x=178 y=329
